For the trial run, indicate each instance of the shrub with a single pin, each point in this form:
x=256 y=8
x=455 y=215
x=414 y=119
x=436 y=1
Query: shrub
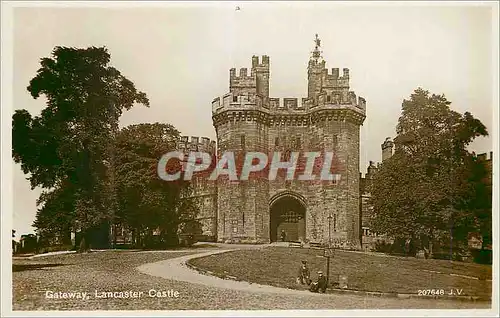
x=382 y=247
x=482 y=256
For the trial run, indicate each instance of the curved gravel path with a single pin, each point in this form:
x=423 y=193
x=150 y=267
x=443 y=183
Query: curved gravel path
x=165 y=271
x=175 y=269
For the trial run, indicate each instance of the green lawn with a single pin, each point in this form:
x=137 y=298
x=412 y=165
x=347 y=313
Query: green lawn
x=278 y=266
x=116 y=271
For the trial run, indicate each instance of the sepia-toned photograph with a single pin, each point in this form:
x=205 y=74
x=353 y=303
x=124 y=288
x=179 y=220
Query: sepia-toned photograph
x=249 y=158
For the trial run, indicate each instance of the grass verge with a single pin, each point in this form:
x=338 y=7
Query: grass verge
x=278 y=266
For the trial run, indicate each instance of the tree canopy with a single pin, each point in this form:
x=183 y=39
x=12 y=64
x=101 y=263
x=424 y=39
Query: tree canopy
x=67 y=149
x=145 y=202
x=432 y=187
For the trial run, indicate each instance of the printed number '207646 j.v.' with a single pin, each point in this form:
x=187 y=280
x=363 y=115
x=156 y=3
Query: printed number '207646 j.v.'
x=439 y=292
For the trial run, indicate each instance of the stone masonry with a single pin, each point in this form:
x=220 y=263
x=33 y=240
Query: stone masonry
x=204 y=193
x=327 y=120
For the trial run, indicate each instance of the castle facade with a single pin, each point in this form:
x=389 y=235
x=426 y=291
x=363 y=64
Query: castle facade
x=247 y=119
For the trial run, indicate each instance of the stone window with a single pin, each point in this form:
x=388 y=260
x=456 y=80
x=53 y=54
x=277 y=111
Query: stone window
x=291 y=217
x=277 y=141
x=235 y=99
x=287 y=155
x=335 y=223
x=335 y=179
x=328 y=98
x=242 y=141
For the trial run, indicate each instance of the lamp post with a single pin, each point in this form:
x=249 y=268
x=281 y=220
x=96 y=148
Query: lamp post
x=329 y=249
x=329 y=230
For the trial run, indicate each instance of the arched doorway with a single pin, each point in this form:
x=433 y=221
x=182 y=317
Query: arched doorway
x=288 y=214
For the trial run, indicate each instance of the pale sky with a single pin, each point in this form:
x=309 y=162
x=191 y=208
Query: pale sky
x=180 y=57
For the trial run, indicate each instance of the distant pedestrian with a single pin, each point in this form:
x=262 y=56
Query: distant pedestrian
x=283 y=236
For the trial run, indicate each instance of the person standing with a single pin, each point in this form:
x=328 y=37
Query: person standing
x=304 y=274
x=283 y=236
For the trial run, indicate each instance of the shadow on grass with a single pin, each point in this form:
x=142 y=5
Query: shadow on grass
x=31 y=267
x=277 y=266
x=204 y=245
x=174 y=248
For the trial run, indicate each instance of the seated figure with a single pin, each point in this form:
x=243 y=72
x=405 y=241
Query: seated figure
x=319 y=285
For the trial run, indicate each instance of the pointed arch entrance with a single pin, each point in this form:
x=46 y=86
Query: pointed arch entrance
x=288 y=214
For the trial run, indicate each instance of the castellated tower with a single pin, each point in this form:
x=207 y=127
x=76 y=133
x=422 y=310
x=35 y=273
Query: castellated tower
x=327 y=120
x=387 y=148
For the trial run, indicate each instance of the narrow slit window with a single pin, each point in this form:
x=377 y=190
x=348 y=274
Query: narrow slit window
x=298 y=144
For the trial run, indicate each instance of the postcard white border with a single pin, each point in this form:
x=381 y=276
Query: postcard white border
x=7 y=181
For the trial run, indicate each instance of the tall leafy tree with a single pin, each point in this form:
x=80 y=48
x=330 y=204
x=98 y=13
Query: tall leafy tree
x=426 y=191
x=56 y=213
x=70 y=142
x=145 y=202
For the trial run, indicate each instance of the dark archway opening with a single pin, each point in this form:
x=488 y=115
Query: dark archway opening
x=289 y=215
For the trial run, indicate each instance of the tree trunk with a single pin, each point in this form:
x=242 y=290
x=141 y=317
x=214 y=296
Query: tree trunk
x=431 y=247
x=114 y=235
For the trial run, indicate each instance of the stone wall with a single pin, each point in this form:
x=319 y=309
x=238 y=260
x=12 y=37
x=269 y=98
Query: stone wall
x=204 y=191
x=328 y=120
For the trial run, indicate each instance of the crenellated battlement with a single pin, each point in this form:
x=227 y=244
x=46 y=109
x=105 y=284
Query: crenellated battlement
x=362 y=103
x=334 y=81
x=287 y=103
x=232 y=101
x=484 y=156
x=255 y=82
x=388 y=143
x=264 y=62
x=327 y=90
x=242 y=79
x=195 y=143
x=244 y=76
x=335 y=73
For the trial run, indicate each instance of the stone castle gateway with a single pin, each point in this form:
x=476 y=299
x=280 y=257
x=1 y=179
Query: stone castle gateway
x=248 y=119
